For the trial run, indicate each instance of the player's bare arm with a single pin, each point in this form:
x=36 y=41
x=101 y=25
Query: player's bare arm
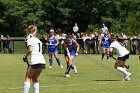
x=77 y=47
x=57 y=41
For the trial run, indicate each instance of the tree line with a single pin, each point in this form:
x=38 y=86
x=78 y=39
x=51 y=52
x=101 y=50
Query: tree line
x=118 y=15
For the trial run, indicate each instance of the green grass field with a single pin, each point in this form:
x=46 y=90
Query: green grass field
x=93 y=76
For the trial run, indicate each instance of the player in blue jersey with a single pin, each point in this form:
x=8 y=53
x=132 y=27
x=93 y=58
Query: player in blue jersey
x=105 y=44
x=71 y=48
x=52 y=48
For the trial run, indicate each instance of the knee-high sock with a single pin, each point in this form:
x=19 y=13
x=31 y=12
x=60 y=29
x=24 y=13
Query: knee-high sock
x=51 y=61
x=122 y=70
x=26 y=87
x=107 y=56
x=58 y=61
x=72 y=67
x=69 y=68
x=103 y=56
x=36 y=87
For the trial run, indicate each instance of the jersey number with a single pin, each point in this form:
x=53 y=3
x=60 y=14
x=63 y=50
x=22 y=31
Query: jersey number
x=39 y=46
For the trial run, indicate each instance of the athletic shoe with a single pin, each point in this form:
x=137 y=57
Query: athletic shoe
x=127 y=76
x=61 y=66
x=75 y=70
x=50 y=66
x=108 y=60
x=67 y=75
x=126 y=79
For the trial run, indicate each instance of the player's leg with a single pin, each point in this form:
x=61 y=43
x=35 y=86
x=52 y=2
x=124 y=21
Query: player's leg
x=30 y=72
x=73 y=67
x=119 y=65
x=107 y=54
x=50 y=60
x=103 y=53
x=35 y=81
x=69 y=65
x=57 y=59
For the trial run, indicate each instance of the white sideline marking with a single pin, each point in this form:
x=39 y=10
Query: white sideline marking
x=16 y=88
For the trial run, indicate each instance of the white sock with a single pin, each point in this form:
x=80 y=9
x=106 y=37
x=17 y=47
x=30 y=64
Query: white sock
x=36 y=87
x=123 y=70
x=26 y=87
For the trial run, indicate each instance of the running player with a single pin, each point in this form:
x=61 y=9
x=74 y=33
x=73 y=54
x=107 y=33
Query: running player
x=52 y=48
x=71 y=48
x=123 y=54
x=37 y=62
x=105 y=44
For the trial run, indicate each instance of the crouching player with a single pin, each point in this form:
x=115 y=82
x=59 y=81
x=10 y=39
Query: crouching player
x=123 y=54
x=37 y=62
x=71 y=48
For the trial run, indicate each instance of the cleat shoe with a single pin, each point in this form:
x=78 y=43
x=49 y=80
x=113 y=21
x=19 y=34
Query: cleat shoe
x=50 y=66
x=127 y=76
x=67 y=75
x=128 y=79
x=61 y=66
x=75 y=70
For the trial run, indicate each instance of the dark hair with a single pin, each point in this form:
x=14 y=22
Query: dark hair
x=69 y=36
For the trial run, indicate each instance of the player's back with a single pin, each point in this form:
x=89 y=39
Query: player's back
x=36 y=44
x=71 y=46
x=119 y=48
x=36 y=54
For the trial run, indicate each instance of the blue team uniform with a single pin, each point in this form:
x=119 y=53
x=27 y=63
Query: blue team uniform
x=105 y=42
x=52 y=49
x=71 y=48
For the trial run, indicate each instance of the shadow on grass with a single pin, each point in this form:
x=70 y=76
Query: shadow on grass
x=107 y=80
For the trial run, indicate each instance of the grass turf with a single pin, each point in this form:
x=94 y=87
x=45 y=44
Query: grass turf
x=94 y=76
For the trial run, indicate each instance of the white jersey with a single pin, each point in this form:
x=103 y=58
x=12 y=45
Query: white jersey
x=28 y=37
x=75 y=29
x=104 y=29
x=36 y=54
x=119 y=49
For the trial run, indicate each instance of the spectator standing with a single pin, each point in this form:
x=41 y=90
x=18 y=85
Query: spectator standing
x=3 y=39
x=96 y=40
x=8 y=40
x=43 y=39
x=75 y=29
x=103 y=30
x=134 y=42
x=123 y=36
x=139 y=44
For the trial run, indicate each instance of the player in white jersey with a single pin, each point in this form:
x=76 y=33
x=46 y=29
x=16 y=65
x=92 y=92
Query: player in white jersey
x=123 y=54
x=37 y=61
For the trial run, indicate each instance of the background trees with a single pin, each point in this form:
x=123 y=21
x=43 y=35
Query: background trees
x=118 y=15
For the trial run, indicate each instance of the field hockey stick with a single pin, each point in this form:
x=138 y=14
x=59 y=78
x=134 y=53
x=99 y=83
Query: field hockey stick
x=126 y=66
x=25 y=59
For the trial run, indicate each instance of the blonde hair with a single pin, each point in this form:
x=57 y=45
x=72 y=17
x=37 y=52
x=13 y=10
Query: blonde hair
x=32 y=29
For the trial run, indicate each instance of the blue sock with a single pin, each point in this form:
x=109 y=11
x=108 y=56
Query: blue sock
x=107 y=56
x=69 y=68
x=72 y=67
x=103 y=56
x=58 y=61
x=51 y=61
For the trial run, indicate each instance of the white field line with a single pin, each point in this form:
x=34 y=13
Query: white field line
x=49 y=86
x=16 y=88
